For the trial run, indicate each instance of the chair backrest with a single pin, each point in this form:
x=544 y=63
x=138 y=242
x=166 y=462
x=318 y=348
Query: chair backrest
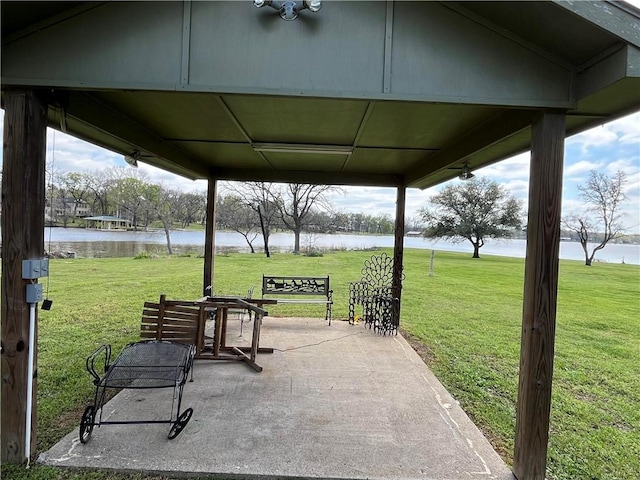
x=378 y=271
x=177 y=321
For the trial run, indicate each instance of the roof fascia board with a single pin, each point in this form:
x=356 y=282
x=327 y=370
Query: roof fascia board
x=455 y=100
x=509 y=35
x=49 y=22
x=501 y=126
x=633 y=61
x=619 y=21
x=625 y=62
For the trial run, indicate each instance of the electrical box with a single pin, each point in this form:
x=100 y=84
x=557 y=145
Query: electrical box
x=34 y=292
x=35 y=268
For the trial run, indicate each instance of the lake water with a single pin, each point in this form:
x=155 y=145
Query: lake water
x=99 y=243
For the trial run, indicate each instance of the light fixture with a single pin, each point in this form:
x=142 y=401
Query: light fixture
x=302 y=148
x=313 y=5
x=133 y=158
x=289 y=9
x=466 y=173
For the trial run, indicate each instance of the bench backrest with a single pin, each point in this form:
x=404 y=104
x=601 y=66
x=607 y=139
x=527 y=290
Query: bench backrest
x=177 y=321
x=279 y=285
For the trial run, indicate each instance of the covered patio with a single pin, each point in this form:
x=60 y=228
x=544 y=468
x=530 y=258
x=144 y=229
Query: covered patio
x=396 y=94
x=335 y=402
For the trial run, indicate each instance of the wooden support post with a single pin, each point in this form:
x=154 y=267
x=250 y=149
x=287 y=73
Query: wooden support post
x=209 y=240
x=23 y=200
x=398 y=248
x=540 y=297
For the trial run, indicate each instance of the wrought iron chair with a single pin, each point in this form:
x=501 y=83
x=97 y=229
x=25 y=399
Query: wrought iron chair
x=374 y=293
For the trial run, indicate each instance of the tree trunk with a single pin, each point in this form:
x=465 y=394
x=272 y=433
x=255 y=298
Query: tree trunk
x=296 y=244
x=165 y=224
x=265 y=233
x=476 y=250
x=587 y=258
x=249 y=242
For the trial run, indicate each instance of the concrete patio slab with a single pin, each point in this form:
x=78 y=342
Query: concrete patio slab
x=333 y=402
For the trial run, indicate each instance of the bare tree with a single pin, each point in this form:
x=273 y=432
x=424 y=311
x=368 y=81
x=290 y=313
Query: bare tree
x=165 y=203
x=603 y=196
x=99 y=184
x=260 y=197
x=473 y=211
x=234 y=213
x=295 y=202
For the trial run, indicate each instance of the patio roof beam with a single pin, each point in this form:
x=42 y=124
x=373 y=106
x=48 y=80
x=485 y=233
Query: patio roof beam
x=311 y=177
x=501 y=126
x=91 y=111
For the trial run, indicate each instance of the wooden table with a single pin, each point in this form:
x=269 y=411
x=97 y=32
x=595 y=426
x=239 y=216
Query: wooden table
x=218 y=349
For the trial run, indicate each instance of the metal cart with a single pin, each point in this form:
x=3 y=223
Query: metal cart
x=140 y=365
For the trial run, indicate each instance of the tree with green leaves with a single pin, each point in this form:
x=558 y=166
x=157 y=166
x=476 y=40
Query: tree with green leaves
x=602 y=195
x=473 y=210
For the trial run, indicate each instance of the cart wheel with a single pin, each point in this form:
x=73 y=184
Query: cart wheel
x=86 y=424
x=180 y=423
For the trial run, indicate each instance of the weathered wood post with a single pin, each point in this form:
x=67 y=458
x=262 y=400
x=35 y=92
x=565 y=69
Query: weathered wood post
x=540 y=297
x=433 y=255
x=209 y=239
x=398 y=249
x=23 y=200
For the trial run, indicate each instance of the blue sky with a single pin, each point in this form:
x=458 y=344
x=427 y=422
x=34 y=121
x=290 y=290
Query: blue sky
x=607 y=148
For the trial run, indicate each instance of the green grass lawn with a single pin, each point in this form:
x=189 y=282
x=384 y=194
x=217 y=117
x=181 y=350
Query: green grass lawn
x=465 y=321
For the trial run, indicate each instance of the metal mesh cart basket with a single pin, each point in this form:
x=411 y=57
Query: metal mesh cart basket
x=146 y=364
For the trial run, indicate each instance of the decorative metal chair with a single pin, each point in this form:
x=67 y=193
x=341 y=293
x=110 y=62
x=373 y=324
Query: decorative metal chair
x=374 y=294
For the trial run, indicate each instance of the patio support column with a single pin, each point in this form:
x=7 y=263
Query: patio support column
x=23 y=202
x=209 y=239
x=540 y=297
x=398 y=248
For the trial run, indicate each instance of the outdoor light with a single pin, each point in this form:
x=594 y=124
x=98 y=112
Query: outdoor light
x=289 y=9
x=466 y=173
x=313 y=5
x=302 y=148
x=133 y=158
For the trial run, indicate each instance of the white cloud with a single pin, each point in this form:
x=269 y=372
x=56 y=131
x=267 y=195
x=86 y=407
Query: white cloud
x=596 y=137
x=516 y=167
x=625 y=130
x=581 y=168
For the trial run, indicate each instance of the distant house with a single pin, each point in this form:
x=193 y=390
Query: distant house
x=67 y=207
x=106 y=222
